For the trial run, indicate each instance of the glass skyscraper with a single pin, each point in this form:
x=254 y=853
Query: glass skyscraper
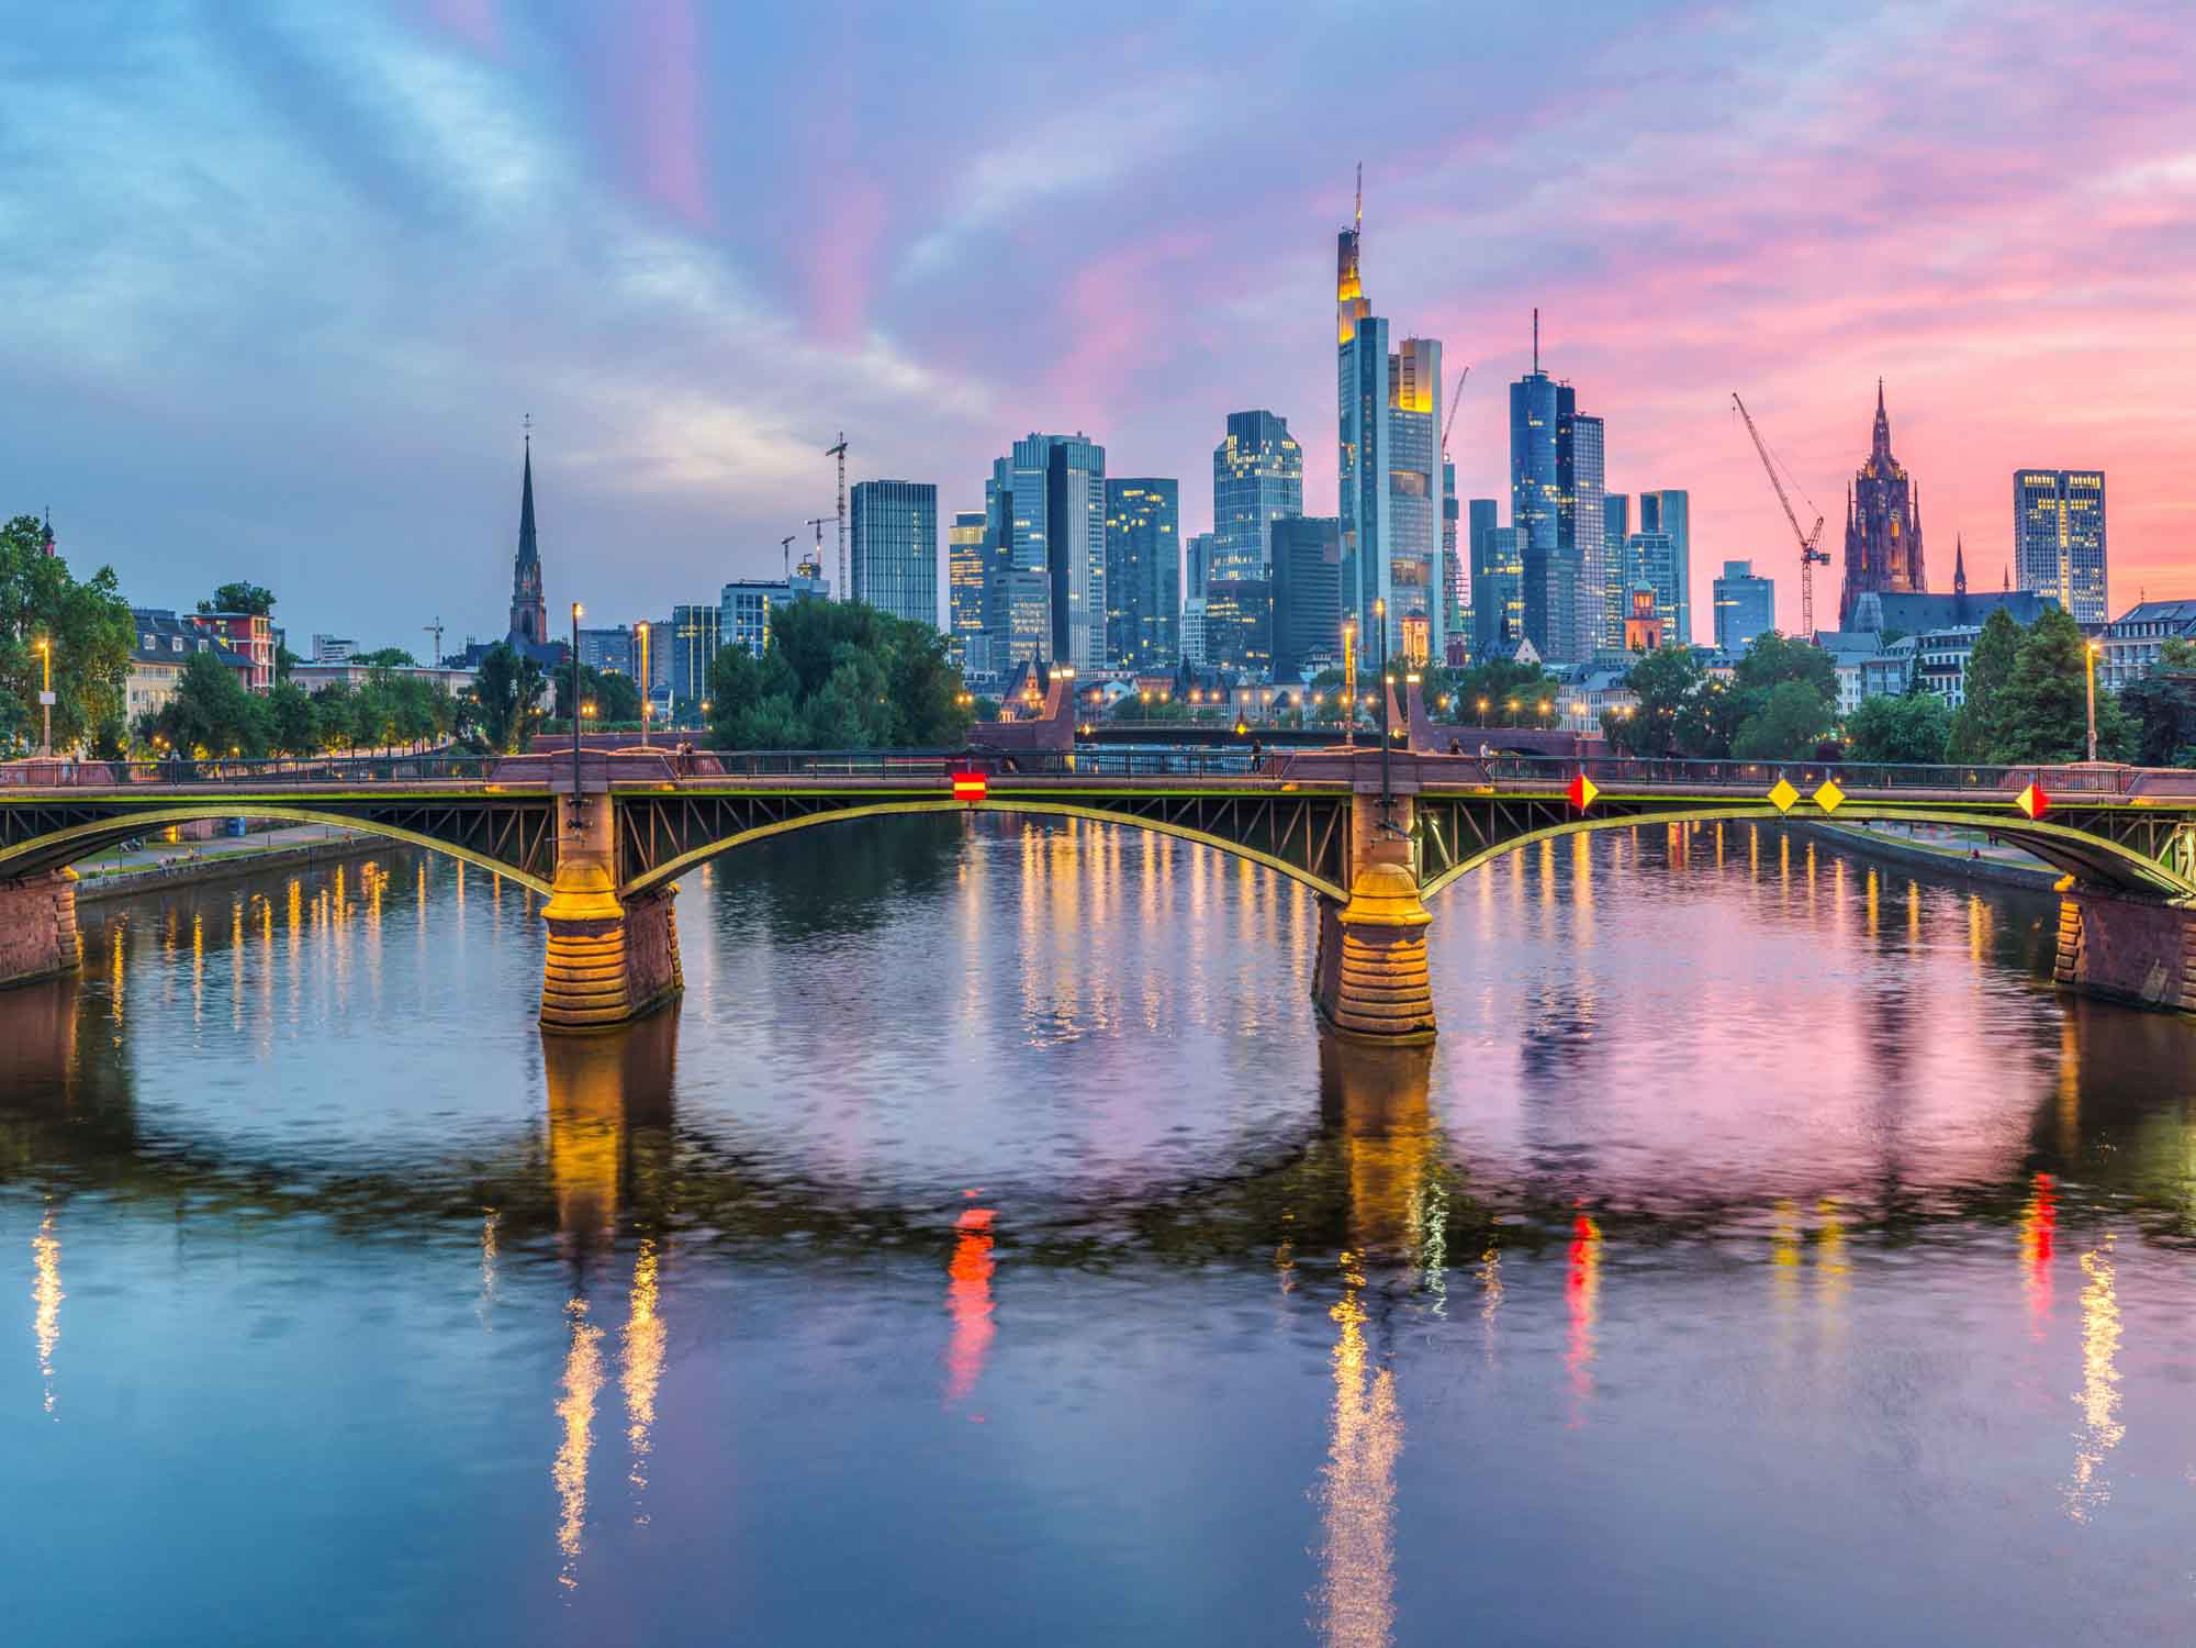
x=1388 y=465
x=1045 y=516
x=1307 y=595
x=1143 y=572
x=1197 y=553
x=2059 y=538
x=965 y=568
x=1650 y=564
x=1746 y=606
x=694 y=636
x=1257 y=479
x=1600 y=564
x=1541 y=411
x=1671 y=512
x=895 y=548
x=1498 y=581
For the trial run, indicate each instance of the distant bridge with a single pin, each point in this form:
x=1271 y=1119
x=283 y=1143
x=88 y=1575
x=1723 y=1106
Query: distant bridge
x=1374 y=832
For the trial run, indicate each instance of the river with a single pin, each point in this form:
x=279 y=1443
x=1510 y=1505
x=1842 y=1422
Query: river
x=989 y=1249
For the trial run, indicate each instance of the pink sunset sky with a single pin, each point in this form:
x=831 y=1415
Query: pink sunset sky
x=287 y=277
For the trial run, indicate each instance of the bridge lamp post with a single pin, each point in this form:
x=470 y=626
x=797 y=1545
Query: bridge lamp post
x=641 y=631
x=1349 y=681
x=45 y=701
x=2090 y=649
x=577 y=612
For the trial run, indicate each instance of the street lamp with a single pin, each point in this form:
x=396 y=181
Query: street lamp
x=1349 y=681
x=577 y=611
x=2090 y=650
x=45 y=701
x=641 y=630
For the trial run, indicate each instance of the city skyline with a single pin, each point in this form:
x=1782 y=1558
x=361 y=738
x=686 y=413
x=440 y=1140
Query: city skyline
x=320 y=362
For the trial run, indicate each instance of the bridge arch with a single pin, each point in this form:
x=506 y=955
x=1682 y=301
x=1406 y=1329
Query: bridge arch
x=61 y=847
x=1036 y=806
x=2088 y=857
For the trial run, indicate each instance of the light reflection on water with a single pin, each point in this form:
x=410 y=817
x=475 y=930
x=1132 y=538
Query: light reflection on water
x=990 y=1245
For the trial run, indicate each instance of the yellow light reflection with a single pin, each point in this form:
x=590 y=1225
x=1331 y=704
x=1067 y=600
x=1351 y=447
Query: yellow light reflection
x=46 y=1297
x=576 y=1411
x=1582 y=1302
x=644 y=1343
x=1357 y=1555
x=2099 y=1397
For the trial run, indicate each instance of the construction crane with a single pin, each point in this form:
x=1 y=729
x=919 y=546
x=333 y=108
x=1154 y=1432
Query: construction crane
x=819 y=522
x=1456 y=399
x=785 y=553
x=435 y=629
x=846 y=589
x=1812 y=554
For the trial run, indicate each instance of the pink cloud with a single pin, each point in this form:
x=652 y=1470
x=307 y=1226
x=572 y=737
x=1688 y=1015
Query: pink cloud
x=658 y=105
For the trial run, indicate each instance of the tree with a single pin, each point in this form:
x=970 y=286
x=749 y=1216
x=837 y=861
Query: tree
x=1511 y=692
x=505 y=703
x=1977 y=727
x=386 y=658
x=1913 y=728
x=212 y=712
x=2042 y=711
x=88 y=633
x=1786 y=724
x=252 y=598
x=2163 y=707
x=293 y=723
x=1665 y=682
x=838 y=675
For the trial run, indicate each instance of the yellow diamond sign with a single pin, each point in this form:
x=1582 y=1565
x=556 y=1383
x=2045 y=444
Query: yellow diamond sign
x=1783 y=796
x=1829 y=795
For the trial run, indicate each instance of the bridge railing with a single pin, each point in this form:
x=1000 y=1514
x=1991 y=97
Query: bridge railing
x=275 y=773
x=915 y=766
x=1805 y=776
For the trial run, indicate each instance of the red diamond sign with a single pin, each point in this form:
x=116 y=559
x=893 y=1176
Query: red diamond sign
x=2033 y=802
x=1582 y=792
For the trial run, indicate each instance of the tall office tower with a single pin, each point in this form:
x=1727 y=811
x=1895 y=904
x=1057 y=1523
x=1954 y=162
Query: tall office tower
x=1239 y=626
x=1388 y=464
x=1143 y=573
x=2059 y=538
x=1257 y=479
x=1498 y=591
x=1542 y=450
x=895 y=548
x=694 y=634
x=1056 y=521
x=1650 y=566
x=660 y=649
x=1883 y=529
x=1746 y=606
x=1672 y=512
x=602 y=649
x=1193 y=630
x=1307 y=595
x=1456 y=571
x=1616 y=519
x=1601 y=602
x=1198 y=550
x=965 y=568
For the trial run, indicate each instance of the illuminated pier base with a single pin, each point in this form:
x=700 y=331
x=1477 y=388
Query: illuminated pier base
x=2127 y=949
x=1371 y=982
x=609 y=960
x=38 y=936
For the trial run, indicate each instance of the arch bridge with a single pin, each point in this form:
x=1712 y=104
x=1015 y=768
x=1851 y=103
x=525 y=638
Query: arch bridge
x=1375 y=833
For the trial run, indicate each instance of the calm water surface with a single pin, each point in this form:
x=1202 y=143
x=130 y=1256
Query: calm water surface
x=989 y=1249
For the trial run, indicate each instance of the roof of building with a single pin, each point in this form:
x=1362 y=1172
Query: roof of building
x=2181 y=614
x=1881 y=610
x=159 y=637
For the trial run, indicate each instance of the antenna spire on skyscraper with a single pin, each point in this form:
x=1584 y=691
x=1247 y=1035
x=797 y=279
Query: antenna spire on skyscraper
x=1536 y=338
x=1359 y=224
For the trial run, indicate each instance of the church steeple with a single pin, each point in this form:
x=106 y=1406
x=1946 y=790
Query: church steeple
x=1959 y=565
x=529 y=612
x=1880 y=447
x=45 y=538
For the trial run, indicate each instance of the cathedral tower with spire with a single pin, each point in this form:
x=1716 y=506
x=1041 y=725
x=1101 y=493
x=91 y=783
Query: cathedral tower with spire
x=529 y=630
x=1883 y=532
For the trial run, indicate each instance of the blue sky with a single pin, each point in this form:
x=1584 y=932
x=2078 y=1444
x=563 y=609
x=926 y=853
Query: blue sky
x=284 y=277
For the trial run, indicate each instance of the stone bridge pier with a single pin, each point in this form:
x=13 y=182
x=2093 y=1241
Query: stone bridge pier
x=609 y=959
x=1370 y=982
x=2127 y=949
x=38 y=938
